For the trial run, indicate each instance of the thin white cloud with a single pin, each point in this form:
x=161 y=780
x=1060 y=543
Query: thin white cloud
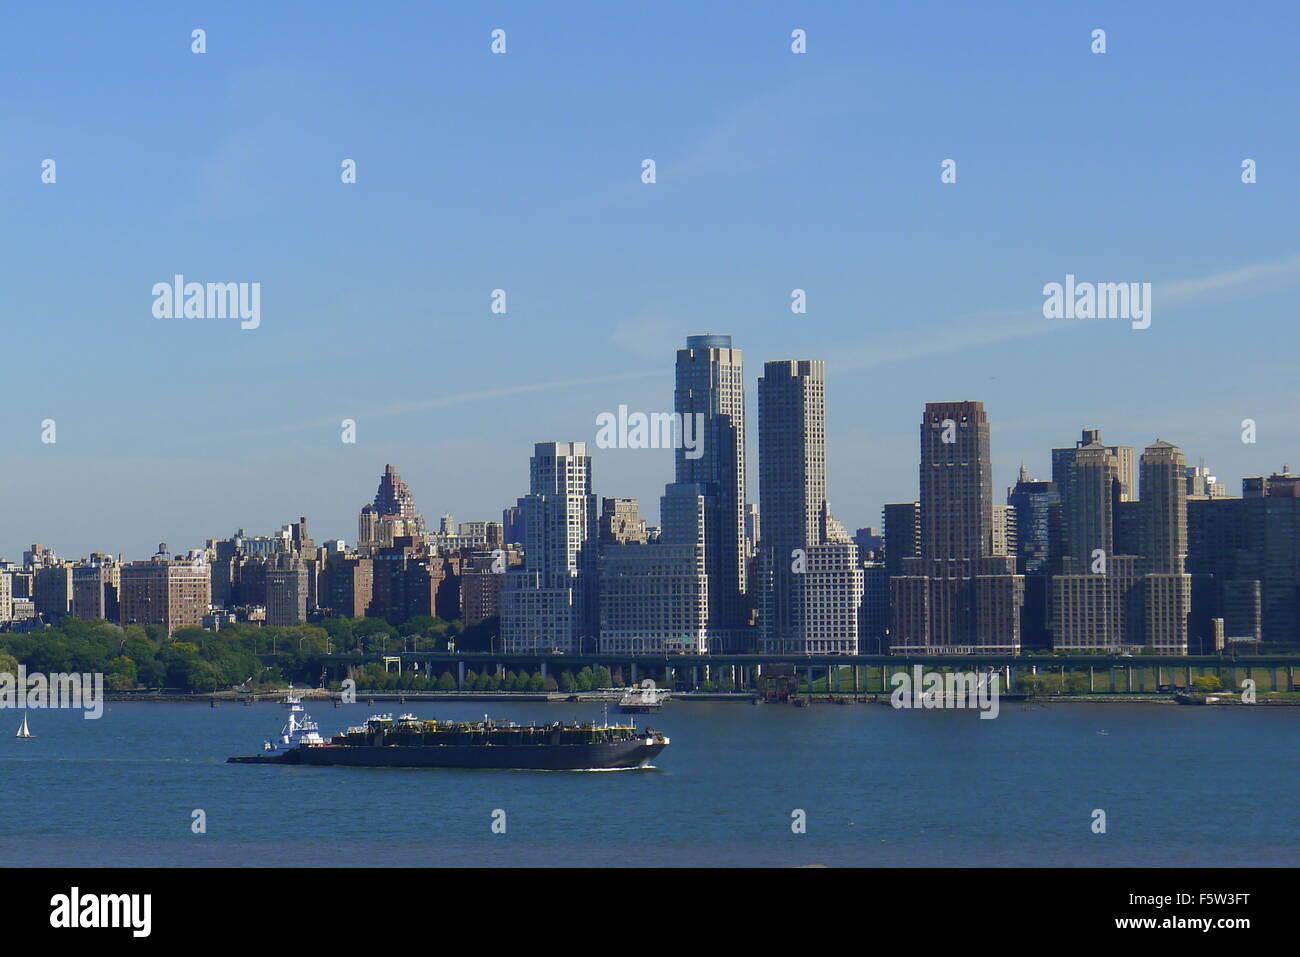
x=993 y=326
x=1261 y=274
x=461 y=398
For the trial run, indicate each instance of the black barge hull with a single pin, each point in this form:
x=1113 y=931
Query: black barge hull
x=565 y=757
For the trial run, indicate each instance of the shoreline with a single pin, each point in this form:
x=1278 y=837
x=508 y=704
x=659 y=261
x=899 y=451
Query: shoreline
x=216 y=699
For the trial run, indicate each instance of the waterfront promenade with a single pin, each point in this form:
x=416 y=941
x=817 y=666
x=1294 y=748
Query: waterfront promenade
x=850 y=674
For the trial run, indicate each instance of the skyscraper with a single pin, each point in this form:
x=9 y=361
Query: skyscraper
x=1105 y=598
x=1168 y=590
x=392 y=516
x=1091 y=497
x=957 y=594
x=1033 y=504
x=393 y=499
x=956 y=482
x=711 y=384
x=1124 y=455
x=549 y=603
x=811 y=581
x=1164 y=508
x=902 y=524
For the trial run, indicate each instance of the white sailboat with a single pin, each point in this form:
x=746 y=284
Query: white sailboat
x=24 y=731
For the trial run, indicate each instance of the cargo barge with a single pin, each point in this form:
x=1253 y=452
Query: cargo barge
x=411 y=742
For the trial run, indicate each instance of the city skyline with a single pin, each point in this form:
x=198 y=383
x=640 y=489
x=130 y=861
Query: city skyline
x=648 y=506
x=818 y=172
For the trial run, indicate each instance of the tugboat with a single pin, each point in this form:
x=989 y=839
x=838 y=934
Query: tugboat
x=299 y=729
x=410 y=742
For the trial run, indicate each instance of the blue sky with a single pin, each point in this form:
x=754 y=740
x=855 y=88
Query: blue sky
x=476 y=171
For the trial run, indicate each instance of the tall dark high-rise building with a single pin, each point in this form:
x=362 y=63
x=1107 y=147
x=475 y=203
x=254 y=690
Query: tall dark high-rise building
x=958 y=594
x=1034 y=504
x=956 y=482
x=791 y=453
x=902 y=523
x=1247 y=551
x=711 y=390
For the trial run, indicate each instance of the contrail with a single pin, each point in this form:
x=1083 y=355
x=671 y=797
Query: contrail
x=459 y=398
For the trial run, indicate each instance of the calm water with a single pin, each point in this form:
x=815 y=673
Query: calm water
x=1180 y=786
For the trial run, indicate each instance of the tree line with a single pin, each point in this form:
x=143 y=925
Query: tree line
x=137 y=657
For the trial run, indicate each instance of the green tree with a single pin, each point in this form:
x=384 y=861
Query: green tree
x=202 y=677
x=122 y=674
x=340 y=633
x=479 y=636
